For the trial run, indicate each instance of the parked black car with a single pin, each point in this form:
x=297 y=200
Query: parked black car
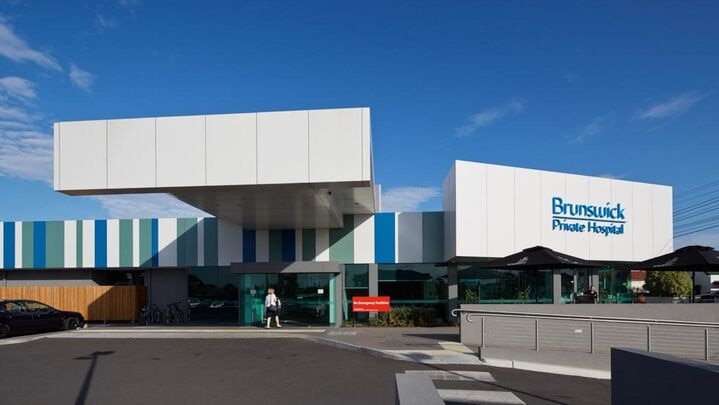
x=20 y=316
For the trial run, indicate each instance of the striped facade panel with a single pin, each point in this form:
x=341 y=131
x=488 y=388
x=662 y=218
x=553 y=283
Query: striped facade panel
x=384 y=237
x=200 y=241
x=38 y=244
x=147 y=256
x=248 y=246
x=262 y=246
x=364 y=239
x=342 y=241
x=70 y=242
x=322 y=245
x=210 y=241
x=229 y=243
x=309 y=245
x=88 y=243
x=27 y=239
x=18 y=245
x=55 y=244
x=288 y=245
x=409 y=237
x=2 y=246
x=274 y=243
x=187 y=236
x=432 y=237
x=8 y=245
x=101 y=244
x=167 y=242
x=135 y=243
x=113 y=243
x=126 y=243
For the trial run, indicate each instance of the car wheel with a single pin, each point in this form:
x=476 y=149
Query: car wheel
x=71 y=323
x=4 y=331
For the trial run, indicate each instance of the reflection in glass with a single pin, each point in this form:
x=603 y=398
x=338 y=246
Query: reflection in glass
x=498 y=286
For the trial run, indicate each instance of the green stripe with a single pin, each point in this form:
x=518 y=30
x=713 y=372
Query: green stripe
x=186 y=242
x=432 y=237
x=275 y=246
x=55 y=244
x=126 y=250
x=342 y=242
x=78 y=243
x=210 y=236
x=145 y=242
x=27 y=244
x=309 y=245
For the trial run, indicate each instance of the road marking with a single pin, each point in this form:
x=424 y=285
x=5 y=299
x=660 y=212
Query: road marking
x=141 y=329
x=455 y=375
x=480 y=397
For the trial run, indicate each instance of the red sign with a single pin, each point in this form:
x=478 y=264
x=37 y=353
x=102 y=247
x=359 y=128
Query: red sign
x=370 y=304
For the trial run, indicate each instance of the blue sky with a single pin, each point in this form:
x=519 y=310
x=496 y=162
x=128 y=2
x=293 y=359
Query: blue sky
x=625 y=90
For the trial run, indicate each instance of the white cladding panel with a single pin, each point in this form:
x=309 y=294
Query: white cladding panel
x=552 y=185
x=663 y=230
x=167 y=242
x=527 y=215
x=131 y=153
x=231 y=149
x=642 y=223
x=229 y=243
x=180 y=151
x=83 y=155
x=282 y=147
x=335 y=145
x=501 y=210
x=600 y=193
x=623 y=245
x=471 y=209
x=56 y=155
x=366 y=145
x=113 y=243
x=70 y=233
x=577 y=189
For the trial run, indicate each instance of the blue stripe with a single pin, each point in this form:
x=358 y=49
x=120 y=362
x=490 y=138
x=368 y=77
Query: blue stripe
x=288 y=245
x=155 y=243
x=38 y=244
x=384 y=237
x=8 y=245
x=101 y=243
x=248 y=246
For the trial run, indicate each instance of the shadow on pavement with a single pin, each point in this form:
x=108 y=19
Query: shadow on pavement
x=445 y=337
x=82 y=396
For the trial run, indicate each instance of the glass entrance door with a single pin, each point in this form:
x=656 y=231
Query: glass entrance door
x=307 y=298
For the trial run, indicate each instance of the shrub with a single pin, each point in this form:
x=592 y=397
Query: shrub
x=668 y=283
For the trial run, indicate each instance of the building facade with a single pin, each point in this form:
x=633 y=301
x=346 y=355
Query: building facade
x=294 y=206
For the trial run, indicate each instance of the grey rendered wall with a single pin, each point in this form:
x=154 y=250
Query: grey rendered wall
x=166 y=286
x=652 y=378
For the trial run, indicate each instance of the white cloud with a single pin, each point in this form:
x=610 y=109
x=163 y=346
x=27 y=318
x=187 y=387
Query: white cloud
x=594 y=128
x=103 y=23
x=489 y=116
x=26 y=154
x=81 y=78
x=16 y=49
x=674 y=106
x=147 y=206
x=17 y=88
x=13 y=113
x=406 y=199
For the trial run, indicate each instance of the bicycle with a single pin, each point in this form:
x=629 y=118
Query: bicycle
x=149 y=313
x=173 y=313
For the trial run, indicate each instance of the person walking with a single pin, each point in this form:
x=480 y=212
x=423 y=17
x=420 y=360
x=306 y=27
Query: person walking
x=272 y=308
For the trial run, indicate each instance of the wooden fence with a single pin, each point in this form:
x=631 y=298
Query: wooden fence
x=95 y=303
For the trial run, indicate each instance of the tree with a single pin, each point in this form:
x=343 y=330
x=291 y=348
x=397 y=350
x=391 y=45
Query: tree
x=668 y=283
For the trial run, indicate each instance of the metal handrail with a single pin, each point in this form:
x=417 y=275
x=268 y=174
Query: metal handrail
x=588 y=318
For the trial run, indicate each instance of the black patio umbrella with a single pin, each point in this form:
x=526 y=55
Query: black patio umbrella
x=539 y=257
x=690 y=258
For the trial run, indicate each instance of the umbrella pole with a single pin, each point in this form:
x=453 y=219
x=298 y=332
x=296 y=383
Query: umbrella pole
x=693 y=282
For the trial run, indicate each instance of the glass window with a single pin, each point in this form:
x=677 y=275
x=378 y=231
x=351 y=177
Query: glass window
x=34 y=306
x=420 y=285
x=574 y=283
x=356 y=276
x=499 y=286
x=615 y=286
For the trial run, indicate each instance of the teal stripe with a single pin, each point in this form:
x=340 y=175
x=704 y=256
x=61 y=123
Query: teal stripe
x=28 y=234
x=186 y=242
x=275 y=246
x=210 y=237
x=342 y=242
x=432 y=237
x=126 y=249
x=55 y=244
x=309 y=245
x=78 y=243
x=146 y=243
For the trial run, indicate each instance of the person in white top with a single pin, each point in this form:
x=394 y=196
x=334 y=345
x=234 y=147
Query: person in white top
x=272 y=307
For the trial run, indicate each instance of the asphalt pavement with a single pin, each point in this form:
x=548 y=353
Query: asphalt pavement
x=279 y=370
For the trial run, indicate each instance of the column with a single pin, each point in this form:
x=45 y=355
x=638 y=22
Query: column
x=453 y=290
x=373 y=283
x=556 y=286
